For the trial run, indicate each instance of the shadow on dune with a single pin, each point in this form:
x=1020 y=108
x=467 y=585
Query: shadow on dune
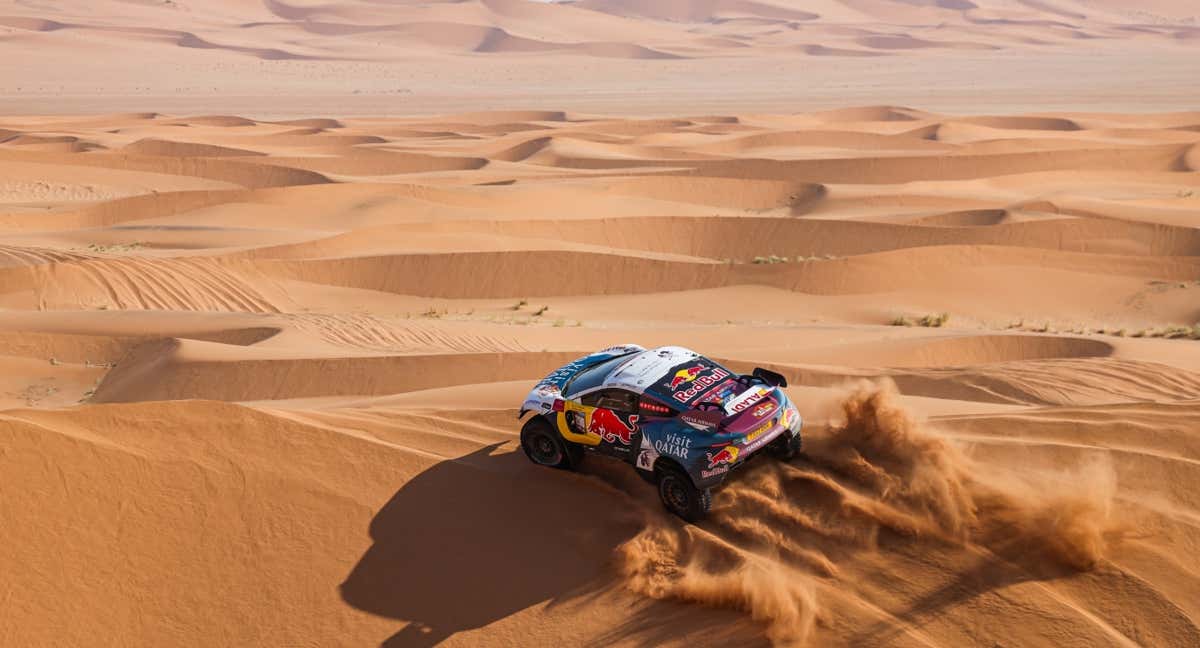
x=476 y=539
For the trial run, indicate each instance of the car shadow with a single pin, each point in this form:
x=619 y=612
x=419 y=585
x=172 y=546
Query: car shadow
x=475 y=539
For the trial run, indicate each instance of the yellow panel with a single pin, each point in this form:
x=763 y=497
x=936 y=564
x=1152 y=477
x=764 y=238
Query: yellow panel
x=584 y=439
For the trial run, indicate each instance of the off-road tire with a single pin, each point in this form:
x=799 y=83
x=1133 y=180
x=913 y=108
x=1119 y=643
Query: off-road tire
x=785 y=448
x=681 y=496
x=545 y=446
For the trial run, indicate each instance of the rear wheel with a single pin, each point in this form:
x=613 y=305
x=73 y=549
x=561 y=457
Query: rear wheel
x=681 y=496
x=546 y=447
x=785 y=448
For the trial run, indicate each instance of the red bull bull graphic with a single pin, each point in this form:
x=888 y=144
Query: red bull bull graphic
x=697 y=384
x=686 y=375
x=727 y=455
x=788 y=420
x=610 y=426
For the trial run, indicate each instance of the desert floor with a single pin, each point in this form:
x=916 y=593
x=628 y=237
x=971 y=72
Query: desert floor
x=259 y=380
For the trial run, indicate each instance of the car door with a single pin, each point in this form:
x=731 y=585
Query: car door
x=615 y=419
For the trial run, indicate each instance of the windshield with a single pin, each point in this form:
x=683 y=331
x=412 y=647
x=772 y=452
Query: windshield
x=592 y=376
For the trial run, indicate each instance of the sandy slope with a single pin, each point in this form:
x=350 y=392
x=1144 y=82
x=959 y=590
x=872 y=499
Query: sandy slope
x=276 y=58
x=259 y=378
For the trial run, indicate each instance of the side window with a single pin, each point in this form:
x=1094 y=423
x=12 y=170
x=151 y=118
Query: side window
x=617 y=400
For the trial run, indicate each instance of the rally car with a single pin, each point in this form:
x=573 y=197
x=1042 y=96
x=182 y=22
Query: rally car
x=682 y=420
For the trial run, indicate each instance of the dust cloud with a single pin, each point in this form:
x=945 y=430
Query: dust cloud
x=780 y=533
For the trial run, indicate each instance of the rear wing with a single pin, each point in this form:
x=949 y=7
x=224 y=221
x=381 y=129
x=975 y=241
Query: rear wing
x=770 y=377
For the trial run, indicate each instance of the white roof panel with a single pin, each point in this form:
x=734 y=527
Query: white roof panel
x=643 y=369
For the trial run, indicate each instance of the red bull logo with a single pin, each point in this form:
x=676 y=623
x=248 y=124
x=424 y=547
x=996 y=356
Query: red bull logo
x=684 y=376
x=697 y=384
x=610 y=427
x=789 y=417
x=727 y=455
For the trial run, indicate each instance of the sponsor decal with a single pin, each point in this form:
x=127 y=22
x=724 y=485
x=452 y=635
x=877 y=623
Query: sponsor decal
x=645 y=460
x=698 y=422
x=686 y=375
x=721 y=394
x=744 y=401
x=611 y=426
x=764 y=409
x=758 y=431
x=761 y=441
x=559 y=377
x=697 y=384
x=619 y=349
x=727 y=455
x=676 y=445
x=719 y=470
x=788 y=420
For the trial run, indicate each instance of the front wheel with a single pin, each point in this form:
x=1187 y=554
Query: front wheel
x=681 y=496
x=546 y=447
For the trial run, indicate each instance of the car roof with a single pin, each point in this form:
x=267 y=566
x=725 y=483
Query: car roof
x=643 y=369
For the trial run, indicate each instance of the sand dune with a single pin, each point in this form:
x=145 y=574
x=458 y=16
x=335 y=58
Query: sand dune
x=627 y=56
x=260 y=377
x=183 y=149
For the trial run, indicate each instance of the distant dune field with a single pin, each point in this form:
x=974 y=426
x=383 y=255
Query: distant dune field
x=276 y=59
